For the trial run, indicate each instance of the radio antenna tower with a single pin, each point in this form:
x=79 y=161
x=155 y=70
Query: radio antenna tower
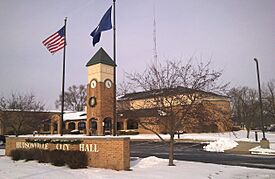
x=155 y=53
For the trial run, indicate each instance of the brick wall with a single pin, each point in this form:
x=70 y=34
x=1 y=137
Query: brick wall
x=103 y=152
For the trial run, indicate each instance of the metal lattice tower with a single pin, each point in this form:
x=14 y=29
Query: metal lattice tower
x=155 y=54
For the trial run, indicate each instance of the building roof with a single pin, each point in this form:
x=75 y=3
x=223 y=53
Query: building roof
x=164 y=92
x=101 y=56
x=75 y=116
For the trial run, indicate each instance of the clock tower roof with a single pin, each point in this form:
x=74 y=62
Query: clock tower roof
x=101 y=56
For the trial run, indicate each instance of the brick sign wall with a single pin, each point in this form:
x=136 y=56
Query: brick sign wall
x=103 y=152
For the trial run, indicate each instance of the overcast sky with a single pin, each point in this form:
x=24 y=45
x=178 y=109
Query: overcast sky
x=230 y=32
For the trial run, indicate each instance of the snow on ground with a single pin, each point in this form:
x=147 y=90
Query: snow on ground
x=147 y=168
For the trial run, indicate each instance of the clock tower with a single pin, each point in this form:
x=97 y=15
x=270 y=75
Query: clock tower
x=100 y=94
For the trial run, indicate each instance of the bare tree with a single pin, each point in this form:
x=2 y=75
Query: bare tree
x=2 y=116
x=269 y=101
x=124 y=88
x=74 y=98
x=15 y=111
x=245 y=107
x=178 y=92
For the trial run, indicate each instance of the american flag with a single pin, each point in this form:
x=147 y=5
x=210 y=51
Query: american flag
x=56 y=41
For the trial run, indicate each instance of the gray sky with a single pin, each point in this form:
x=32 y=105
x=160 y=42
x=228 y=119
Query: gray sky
x=230 y=32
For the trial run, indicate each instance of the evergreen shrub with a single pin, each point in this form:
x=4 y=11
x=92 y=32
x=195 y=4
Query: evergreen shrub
x=57 y=157
x=76 y=159
x=16 y=155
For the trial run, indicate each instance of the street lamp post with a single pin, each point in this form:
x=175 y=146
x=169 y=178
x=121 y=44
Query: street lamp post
x=264 y=143
x=260 y=98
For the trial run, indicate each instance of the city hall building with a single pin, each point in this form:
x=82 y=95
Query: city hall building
x=130 y=114
x=99 y=117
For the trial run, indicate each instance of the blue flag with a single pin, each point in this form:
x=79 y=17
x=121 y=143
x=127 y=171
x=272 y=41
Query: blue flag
x=104 y=25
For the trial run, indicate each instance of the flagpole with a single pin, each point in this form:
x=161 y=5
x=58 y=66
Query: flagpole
x=114 y=54
x=63 y=78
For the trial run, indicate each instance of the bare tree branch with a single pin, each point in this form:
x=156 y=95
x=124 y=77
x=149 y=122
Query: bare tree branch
x=176 y=91
x=74 y=98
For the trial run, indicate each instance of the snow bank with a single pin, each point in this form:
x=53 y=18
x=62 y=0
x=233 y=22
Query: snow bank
x=220 y=145
x=260 y=151
x=152 y=161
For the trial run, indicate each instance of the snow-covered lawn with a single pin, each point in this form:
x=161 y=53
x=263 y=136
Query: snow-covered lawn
x=150 y=167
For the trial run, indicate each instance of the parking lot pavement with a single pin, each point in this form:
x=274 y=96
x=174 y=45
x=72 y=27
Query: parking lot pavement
x=194 y=152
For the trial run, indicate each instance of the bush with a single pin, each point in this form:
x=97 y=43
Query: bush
x=76 y=159
x=29 y=155
x=44 y=156
x=16 y=154
x=57 y=157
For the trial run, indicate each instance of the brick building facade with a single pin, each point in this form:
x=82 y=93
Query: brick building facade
x=136 y=108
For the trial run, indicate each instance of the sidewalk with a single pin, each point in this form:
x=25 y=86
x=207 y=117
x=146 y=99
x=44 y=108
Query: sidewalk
x=250 y=148
x=243 y=147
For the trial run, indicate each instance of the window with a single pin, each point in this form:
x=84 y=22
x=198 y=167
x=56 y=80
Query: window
x=107 y=125
x=94 y=125
x=71 y=126
x=119 y=125
x=55 y=126
x=132 y=124
x=81 y=125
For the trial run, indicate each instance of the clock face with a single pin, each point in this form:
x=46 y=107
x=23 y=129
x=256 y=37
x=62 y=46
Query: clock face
x=93 y=83
x=108 y=83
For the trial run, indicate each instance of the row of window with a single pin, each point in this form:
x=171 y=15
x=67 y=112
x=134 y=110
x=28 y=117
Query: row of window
x=81 y=126
x=107 y=125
